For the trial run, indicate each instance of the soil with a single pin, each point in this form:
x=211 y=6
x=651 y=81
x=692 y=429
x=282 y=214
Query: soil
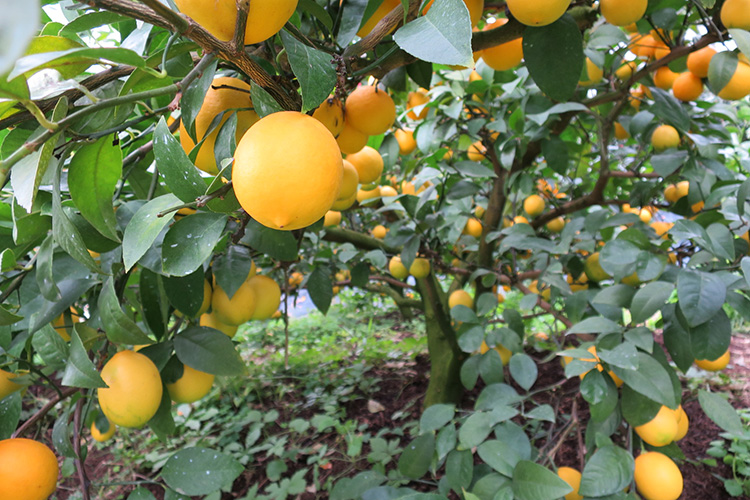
x=403 y=385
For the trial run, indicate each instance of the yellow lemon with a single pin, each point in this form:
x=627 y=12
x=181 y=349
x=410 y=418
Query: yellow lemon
x=28 y=470
x=134 y=389
x=191 y=386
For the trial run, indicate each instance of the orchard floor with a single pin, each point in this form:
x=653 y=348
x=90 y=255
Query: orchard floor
x=402 y=385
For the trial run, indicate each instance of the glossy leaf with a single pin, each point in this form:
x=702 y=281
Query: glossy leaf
x=190 y=242
x=700 y=295
x=279 y=245
x=144 y=227
x=608 y=471
x=321 y=289
x=120 y=329
x=720 y=411
x=554 y=57
x=18 y=24
x=209 y=351
x=178 y=171
x=416 y=458
x=80 y=370
x=531 y=481
x=93 y=175
x=313 y=69
x=650 y=299
x=441 y=36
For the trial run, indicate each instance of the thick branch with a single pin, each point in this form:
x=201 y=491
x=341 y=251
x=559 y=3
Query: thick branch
x=209 y=43
x=359 y=240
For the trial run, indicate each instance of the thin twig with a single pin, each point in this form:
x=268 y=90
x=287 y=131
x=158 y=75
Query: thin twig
x=66 y=393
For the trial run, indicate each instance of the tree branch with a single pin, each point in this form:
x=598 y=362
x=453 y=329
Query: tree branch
x=66 y=393
x=359 y=240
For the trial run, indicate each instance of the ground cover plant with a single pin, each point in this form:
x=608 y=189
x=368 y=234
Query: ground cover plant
x=551 y=194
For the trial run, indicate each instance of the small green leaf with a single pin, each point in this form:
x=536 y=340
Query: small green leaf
x=154 y=301
x=279 y=245
x=533 y=482
x=436 y=416
x=313 y=69
x=475 y=429
x=500 y=456
x=192 y=100
x=459 y=469
x=720 y=411
x=416 y=458
x=209 y=351
x=185 y=293
x=190 y=242
x=141 y=493
x=93 y=175
x=721 y=69
x=200 y=471
x=441 y=36
x=162 y=423
x=119 y=327
x=651 y=379
x=144 y=228
x=80 y=371
x=10 y=414
x=596 y=325
x=263 y=102
x=321 y=289
x=232 y=268
x=523 y=370
x=554 y=57
x=35 y=62
x=44 y=278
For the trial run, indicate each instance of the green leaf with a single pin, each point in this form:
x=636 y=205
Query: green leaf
x=415 y=460
x=144 y=228
x=608 y=471
x=475 y=429
x=742 y=39
x=436 y=416
x=523 y=370
x=263 y=102
x=700 y=295
x=51 y=347
x=35 y=62
x=321 y=289
x=650 y=299
x=190 y=242
x=554 y=57
x=18 y=25
x=162 y=423
x=459 y=469
x=711 y=339
x=667 y=107
x=7 y=260
x=721 y=70
x=80 y=371
x=154 y=301
x=119 y=327
x=200 y=471
x=666 y=163
x=65 y=233
x=720 y=411
x=141 y=493
x=232 y=268
x=491 y=365
x=10 y=414
x=174 y=165
x=499 y=455
x=596 y=325
x=209 y=351
x=721 y=241
x=533 y=482
x=313 y=69
x=651 y=380
x=618 y=257
x=192 y=100
x=185 y=293
x=91 y=20
x=44 y=278
x=93 y=175
x=279 y=245
x=637 y=409
x=746 y=269
x=441 y=36
x=470 y=372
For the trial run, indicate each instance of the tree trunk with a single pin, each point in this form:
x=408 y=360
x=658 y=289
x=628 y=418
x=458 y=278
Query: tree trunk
x=445 y=355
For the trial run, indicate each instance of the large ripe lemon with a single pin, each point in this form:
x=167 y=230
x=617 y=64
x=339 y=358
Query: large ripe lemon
x=736 y=14
x=264 y=18
x=28 y=470
x=287 y=170
x=660 y=430
x=533 y=205
x=505 y=56
x=370 y=110
x=225 y=93
x=593 y=268
x=623 y=12
x=473 y=227
x=369 y=164
x=134 y=389
x=191 y=386
x=537 y=12
x=556 y=225
x=267 y=295
x=460 y=297
x=698 y=61
x=397 y=268
x=573 y=478
x=420 y=268
x=657 y=477
x=237 y=310
x=406 y=142
x=414 y=99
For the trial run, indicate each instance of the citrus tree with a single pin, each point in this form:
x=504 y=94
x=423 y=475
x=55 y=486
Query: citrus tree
x=172 y=170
